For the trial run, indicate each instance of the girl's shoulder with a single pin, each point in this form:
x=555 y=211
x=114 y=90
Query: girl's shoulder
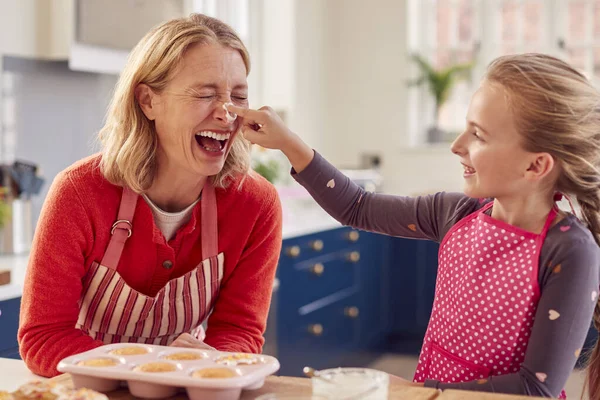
x=570 y=239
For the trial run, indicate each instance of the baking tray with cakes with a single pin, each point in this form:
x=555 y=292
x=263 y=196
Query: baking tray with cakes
x=153 y=372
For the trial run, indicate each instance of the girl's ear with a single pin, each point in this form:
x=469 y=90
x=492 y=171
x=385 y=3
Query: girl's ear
x=541 y=165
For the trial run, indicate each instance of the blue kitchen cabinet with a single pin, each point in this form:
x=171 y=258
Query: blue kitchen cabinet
x=330 y=299
x=9 y=324
x=412 y=271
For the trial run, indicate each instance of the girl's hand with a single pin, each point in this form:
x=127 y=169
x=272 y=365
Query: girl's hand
x=262 y=127
x=188 y=341
x=265 y=128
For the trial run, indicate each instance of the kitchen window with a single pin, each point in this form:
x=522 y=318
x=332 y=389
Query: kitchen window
x=455 y=31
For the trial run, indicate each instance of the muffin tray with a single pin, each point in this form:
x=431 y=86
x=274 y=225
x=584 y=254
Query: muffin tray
x=153 y=372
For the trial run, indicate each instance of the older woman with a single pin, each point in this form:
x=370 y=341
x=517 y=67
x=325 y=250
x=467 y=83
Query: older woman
x=166 y=228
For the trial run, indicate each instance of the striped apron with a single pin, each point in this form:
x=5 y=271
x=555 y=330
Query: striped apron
x=113 y=312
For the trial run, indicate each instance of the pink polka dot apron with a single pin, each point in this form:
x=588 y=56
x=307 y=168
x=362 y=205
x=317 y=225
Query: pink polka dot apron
x=113 y=312
x=485 y=300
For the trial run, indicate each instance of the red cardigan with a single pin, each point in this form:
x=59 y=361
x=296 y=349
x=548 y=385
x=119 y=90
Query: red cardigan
x=74 y=230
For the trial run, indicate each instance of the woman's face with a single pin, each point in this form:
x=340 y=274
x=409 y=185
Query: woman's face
x=192 y=126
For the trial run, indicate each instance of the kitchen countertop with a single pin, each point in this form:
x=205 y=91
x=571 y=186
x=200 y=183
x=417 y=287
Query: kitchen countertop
x=16 y=263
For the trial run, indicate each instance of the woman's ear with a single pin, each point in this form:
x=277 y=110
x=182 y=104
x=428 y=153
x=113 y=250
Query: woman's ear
x=146 y=99
x=541 y=166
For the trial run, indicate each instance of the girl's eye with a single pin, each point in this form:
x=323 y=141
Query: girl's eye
x=476 y=135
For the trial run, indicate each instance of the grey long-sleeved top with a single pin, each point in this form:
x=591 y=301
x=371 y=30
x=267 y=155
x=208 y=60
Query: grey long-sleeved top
x=569 y=274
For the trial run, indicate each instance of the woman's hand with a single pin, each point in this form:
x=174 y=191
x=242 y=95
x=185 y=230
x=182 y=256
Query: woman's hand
x=264 y=128
x=188 y=341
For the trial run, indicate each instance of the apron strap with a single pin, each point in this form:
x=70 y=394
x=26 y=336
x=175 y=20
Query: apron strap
x=121 y=230
x=208 y=209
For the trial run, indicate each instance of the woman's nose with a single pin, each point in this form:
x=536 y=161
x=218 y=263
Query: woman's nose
x=221 y=112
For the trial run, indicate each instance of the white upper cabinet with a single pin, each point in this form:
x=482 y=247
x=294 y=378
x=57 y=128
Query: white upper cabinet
x=120 y=24
x=36 y=28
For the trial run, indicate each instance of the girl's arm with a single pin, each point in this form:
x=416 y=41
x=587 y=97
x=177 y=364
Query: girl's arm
x=424 y=217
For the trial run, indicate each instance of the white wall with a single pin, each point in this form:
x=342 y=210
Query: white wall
x=349 y=93
x=58 y=113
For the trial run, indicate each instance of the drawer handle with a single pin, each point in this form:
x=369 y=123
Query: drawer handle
x=317 y=269
x=316 y=245
x=351 y=312
x=354 y=256
x=353 y=236
x=315 y=329
x=293 y=251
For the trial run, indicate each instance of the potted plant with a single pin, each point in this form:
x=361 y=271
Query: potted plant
x=440 y=83
x=266 y=163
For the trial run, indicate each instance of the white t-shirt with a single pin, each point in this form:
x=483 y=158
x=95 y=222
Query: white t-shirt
x=169 y=222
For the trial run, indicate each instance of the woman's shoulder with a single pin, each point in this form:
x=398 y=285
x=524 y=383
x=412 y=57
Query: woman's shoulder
x=85 y=177
x=252 y=189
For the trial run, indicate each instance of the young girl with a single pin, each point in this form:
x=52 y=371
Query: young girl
x=518 y=278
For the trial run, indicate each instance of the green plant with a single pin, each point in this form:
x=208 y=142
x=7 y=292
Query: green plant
x=5 y=209
x=439 y=81
x=268 y=169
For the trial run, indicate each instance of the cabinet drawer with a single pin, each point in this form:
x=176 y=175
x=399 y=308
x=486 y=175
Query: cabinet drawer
x=9 y=321
x=310 y=280
x=320 y=334
x=311 y=246
x=11 y=353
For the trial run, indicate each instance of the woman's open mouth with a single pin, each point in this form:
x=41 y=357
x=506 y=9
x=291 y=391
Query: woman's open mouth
x=212 y=142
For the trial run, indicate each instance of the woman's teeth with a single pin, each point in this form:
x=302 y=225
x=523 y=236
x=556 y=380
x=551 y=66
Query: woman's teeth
x=214 y=135
x=212 y=141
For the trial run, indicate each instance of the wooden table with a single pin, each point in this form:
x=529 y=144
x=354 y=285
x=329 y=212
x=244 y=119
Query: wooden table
x=302 y=386
x=284 y=385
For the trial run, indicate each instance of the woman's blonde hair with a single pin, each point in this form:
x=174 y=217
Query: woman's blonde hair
x=557 y=111
x=128 y=138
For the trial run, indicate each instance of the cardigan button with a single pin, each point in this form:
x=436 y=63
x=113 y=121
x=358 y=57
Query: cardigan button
x=167 y=264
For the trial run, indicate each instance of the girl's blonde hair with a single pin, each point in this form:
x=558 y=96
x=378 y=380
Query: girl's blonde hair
x=128 y=138
x=557 y=111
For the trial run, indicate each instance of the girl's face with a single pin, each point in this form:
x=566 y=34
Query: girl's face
x=490 y=149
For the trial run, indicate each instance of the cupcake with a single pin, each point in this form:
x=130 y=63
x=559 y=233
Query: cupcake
x=98 y=362
x=41 y=391
x=51 y=391
x=184 y=356
x=129 y=351
x=155 y=367
x=238 y=359
x=214 y=373
x=84 y=394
